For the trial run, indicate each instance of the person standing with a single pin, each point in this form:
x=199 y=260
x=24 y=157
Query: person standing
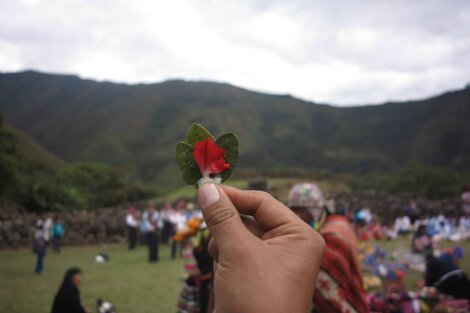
x=152 y=221
x=132 y=223
x=339 y=286
x=166 y=216
x=57 y=233
x=67 y=298
x=178 y=220
x=39 y=246
x=48 y=227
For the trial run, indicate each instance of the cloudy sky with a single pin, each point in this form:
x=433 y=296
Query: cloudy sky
x=340 y=52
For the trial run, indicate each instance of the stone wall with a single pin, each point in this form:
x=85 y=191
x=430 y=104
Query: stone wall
x=82 y=227
x=107 y=225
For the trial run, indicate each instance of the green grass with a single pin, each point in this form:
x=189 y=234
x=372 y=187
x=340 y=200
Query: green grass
x=128 y=281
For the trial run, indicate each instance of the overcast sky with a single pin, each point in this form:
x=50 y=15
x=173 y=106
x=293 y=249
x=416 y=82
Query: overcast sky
x=340 y=52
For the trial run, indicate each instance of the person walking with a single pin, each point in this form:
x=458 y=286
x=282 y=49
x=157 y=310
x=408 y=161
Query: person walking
x=57 y=233
x=132 y=224
x=67 y=299
x=39 y=246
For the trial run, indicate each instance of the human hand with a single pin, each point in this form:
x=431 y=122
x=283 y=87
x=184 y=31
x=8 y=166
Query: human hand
x=266 y=260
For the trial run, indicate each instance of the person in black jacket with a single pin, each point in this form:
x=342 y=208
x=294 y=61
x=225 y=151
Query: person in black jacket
x=444 y=274
x=67 y=299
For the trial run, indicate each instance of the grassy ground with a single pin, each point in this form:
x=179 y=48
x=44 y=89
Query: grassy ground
x=128 y=281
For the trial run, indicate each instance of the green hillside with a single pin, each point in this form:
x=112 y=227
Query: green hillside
x=32 y=150
x=136 y=126
x=35 y=178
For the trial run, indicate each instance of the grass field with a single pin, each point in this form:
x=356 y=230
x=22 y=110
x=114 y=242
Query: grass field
x=128 y=281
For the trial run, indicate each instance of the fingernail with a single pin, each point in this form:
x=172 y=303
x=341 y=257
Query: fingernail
x=208 y=194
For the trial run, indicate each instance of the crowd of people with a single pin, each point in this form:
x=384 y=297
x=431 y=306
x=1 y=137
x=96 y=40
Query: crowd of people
x=155 y=226
x=338 y=276
x=443 y=279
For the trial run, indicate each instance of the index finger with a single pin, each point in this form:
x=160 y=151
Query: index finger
x=267 y=211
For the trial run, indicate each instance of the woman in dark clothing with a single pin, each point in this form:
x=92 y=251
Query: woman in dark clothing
x=67 y=299
x=444 y=274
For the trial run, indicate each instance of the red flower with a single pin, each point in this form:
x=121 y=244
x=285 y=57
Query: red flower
x=210 y=157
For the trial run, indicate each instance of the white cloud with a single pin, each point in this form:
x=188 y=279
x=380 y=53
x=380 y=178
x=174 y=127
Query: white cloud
x=337 y=51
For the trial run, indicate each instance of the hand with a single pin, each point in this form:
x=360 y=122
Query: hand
x=266 y=260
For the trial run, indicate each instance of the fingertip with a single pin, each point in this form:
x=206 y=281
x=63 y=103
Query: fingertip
x=208 y=194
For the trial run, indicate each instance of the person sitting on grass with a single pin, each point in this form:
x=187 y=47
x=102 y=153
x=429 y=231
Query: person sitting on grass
x=67 y=299
x=421 y=241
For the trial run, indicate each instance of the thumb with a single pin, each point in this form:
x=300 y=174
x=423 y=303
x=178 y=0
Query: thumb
x=221 y=217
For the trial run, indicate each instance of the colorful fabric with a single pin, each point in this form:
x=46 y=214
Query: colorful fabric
x=339 y=286
x=188 y=301
x=306 y=195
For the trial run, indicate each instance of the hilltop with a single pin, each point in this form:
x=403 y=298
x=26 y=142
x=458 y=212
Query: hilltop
x=136 y=126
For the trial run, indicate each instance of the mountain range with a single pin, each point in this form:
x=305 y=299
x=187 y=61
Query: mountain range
x=137 y=126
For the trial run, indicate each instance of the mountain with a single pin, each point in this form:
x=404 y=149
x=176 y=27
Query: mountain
x=32 y=150
x=137 y=126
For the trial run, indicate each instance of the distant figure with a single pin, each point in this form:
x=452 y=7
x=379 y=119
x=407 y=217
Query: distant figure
x=191 y=211
x=47 y=227
x=39 y=246
x=444 y=274
x=166 y=216
x=412 y=211
x=67 y=299
x=132 y=224
x=57 y=232
x=152 y=221
x=466 y=200
x=403 y=225
x=339 y=286
x=421 y=241
x=178 y=219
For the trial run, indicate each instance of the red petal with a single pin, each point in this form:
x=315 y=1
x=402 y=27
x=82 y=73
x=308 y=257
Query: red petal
x=210 y=157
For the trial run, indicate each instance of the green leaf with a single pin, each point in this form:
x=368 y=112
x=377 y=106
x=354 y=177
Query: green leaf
x=186 y=163
x=229 y=142
x=197 y=133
